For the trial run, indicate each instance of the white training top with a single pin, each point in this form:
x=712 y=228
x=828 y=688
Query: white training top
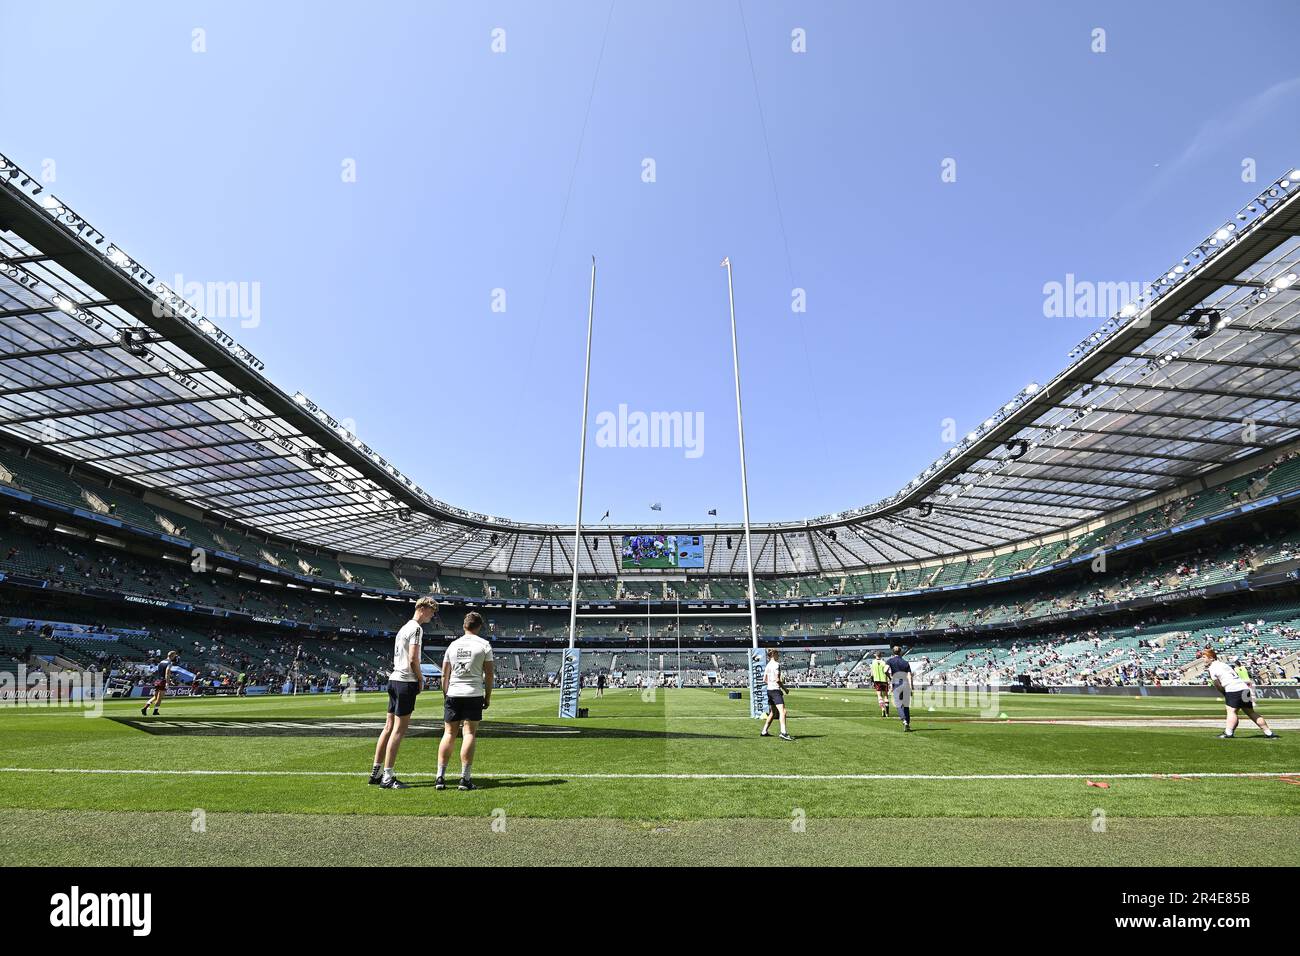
x=1227 y=677
x=772 y=675
x=463 y=665
x=411 y=635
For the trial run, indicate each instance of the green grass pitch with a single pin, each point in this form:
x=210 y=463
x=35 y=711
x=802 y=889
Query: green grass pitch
x=681 y=778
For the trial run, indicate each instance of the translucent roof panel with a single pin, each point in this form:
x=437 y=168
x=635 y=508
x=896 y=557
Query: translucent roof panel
x=106 y=368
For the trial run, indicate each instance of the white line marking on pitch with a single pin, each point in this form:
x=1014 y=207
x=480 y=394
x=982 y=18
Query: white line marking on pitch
x=669 y=776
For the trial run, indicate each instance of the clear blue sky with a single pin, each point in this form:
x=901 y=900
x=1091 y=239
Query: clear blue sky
x=925 y=298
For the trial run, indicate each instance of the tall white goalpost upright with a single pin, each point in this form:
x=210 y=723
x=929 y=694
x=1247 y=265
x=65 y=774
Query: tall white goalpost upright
x=570 y=669
x=570 y=672
x=757 y=686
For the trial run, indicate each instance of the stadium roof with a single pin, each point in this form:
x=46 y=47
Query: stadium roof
x=103 y=364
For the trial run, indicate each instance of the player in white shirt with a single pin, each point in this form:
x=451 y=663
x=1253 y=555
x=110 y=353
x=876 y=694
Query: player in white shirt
x=467 y=692
x=403 y=685
x=1237 y=695
x=775 y=694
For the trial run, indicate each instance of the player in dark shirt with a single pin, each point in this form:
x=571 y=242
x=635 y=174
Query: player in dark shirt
x=900 y=679
x=161 y=675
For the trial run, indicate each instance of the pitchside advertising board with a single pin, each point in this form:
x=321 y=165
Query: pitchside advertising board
x=570 y=683
x=757 y=684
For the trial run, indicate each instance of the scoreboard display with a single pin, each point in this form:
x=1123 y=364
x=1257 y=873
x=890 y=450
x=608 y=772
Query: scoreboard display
x=662 y=551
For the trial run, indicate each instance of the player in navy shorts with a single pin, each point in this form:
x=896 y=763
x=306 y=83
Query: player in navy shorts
x=160 y=677
x=404 y=682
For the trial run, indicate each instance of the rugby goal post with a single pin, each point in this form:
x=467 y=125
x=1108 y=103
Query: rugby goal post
x=570 y=669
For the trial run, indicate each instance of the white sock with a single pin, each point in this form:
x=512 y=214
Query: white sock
x=464 y=770
x=388 y=773
x=442 y=769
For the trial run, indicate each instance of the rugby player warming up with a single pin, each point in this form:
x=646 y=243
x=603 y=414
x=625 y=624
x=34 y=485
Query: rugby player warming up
x=403 y=685
x=160 y=678
x=1237 y=696
x=772 y=677
x=467 y=692
x=900 y=677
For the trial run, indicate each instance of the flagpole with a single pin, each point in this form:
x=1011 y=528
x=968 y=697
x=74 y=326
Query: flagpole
x=744 y=478
x=582 y=463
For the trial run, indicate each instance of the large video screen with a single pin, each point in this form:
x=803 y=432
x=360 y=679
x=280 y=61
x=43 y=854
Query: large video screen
x=650 y=551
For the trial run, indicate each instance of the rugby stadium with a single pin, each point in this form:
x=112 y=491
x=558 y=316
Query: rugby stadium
x=358 y=533
x=1052 y=578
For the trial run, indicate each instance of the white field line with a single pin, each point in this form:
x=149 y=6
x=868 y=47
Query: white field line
x=669 y=776
x=938 y=716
